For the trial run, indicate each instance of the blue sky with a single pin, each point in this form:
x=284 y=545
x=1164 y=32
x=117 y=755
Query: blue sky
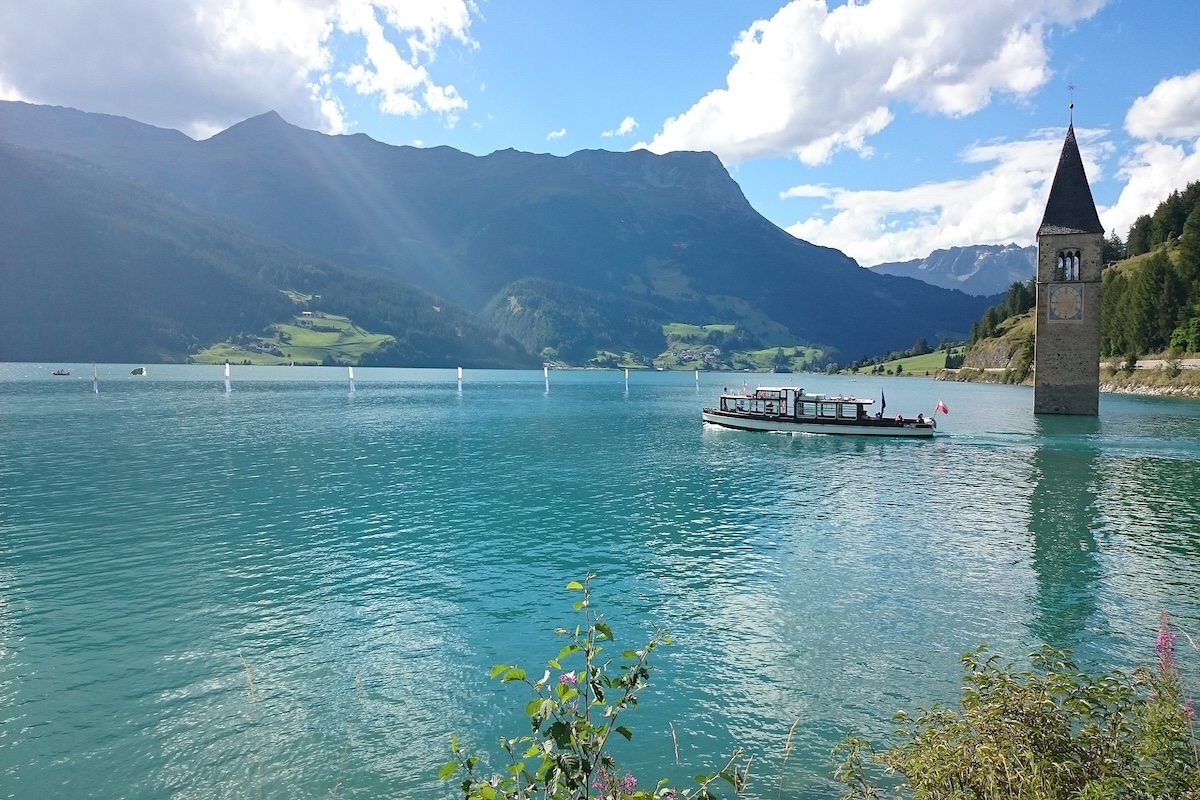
x=886 y=128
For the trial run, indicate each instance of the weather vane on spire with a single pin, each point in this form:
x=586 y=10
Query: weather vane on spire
x=1071 y=108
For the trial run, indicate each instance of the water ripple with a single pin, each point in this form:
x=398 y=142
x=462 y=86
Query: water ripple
x=288 y=588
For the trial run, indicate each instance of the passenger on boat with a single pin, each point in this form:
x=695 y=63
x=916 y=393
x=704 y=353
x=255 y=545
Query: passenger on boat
x=899 y=418
x=920 y=418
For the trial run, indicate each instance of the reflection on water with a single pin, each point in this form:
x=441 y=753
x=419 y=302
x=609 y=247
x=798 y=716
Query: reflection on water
x=1063 y=517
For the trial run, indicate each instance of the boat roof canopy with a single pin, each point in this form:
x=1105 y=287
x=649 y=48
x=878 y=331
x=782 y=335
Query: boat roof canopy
x=771 y=392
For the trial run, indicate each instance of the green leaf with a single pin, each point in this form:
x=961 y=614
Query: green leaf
x=560 y=732
x=621 y=729
x=513 y=674
x=497 y=669
x=576 y=585
x=533 y=706
x=570 y=649
x=448 y=769
x=604 y=629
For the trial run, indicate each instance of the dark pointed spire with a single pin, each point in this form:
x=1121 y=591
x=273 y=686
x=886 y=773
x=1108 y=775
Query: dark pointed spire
x=1070 y=208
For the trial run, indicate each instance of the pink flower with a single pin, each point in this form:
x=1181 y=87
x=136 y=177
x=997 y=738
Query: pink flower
x=567 y=678
x=1165 y=645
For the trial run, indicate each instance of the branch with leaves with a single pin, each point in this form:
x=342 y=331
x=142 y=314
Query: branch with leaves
x=578 y=703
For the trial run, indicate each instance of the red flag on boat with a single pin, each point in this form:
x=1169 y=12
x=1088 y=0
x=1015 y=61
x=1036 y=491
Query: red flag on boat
x=942 y=408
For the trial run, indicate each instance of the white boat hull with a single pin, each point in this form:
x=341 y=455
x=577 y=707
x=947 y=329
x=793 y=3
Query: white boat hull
x=749 y=422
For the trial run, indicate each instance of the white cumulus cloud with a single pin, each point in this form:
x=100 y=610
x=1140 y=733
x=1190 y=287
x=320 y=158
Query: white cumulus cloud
x=1151 y=172
x=558 y=134
x=811 y=81
x=200 y=65
x=626 y=127
x=1001 y=204
x=1170 y=111
x=1168 y=158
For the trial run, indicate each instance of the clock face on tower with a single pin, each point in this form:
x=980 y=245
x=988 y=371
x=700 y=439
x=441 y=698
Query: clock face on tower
x=1066 y=301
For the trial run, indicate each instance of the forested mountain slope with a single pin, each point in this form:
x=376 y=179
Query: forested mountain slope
x=98 y=268
x=672 y=233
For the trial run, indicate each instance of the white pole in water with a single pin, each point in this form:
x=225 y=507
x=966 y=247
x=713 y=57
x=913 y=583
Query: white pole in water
x=350 y=371
x=627 y=380
x=95 y=380
x=228 y=388
x=546 y=375
x=460 y=380
x=697 y=381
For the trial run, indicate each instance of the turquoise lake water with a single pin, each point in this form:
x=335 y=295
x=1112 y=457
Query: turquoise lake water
x=368 y=557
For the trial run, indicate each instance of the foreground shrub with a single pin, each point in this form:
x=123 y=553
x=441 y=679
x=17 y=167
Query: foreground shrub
x=1049 y=732
x=572 y=715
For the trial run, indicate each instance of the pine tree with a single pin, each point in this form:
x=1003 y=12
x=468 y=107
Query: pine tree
x=1138 y=241
x=1158 y=296
x=1189 y=253
x=1113 y=249
x=1114 y=339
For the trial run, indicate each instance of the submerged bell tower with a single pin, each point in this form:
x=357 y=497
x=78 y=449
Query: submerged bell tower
x=1066 y=377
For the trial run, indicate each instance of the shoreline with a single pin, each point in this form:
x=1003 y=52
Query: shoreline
x=1151 y=378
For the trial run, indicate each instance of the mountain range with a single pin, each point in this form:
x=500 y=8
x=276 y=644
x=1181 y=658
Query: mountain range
x=122 y=241
x=982 y=270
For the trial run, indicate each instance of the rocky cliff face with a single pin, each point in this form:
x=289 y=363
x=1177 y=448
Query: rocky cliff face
x=701 y=173
x=991 y=354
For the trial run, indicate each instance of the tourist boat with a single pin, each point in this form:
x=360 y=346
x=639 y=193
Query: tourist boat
x=789 y=410
x=60 y=373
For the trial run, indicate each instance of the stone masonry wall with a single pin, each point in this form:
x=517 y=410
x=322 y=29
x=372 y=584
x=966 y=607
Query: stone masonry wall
x=1067 y=352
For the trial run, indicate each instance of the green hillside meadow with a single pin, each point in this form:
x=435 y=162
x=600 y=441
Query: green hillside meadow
x=331 y=339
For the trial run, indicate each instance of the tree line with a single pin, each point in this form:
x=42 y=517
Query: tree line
x=1165 y=224
x=1150 y=306
x=1156 y=305
x=1019 y=299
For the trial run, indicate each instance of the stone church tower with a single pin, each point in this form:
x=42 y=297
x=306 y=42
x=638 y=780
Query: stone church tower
x=1066 y=378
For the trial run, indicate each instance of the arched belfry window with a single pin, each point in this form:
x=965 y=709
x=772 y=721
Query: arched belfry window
x=1066 y=265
